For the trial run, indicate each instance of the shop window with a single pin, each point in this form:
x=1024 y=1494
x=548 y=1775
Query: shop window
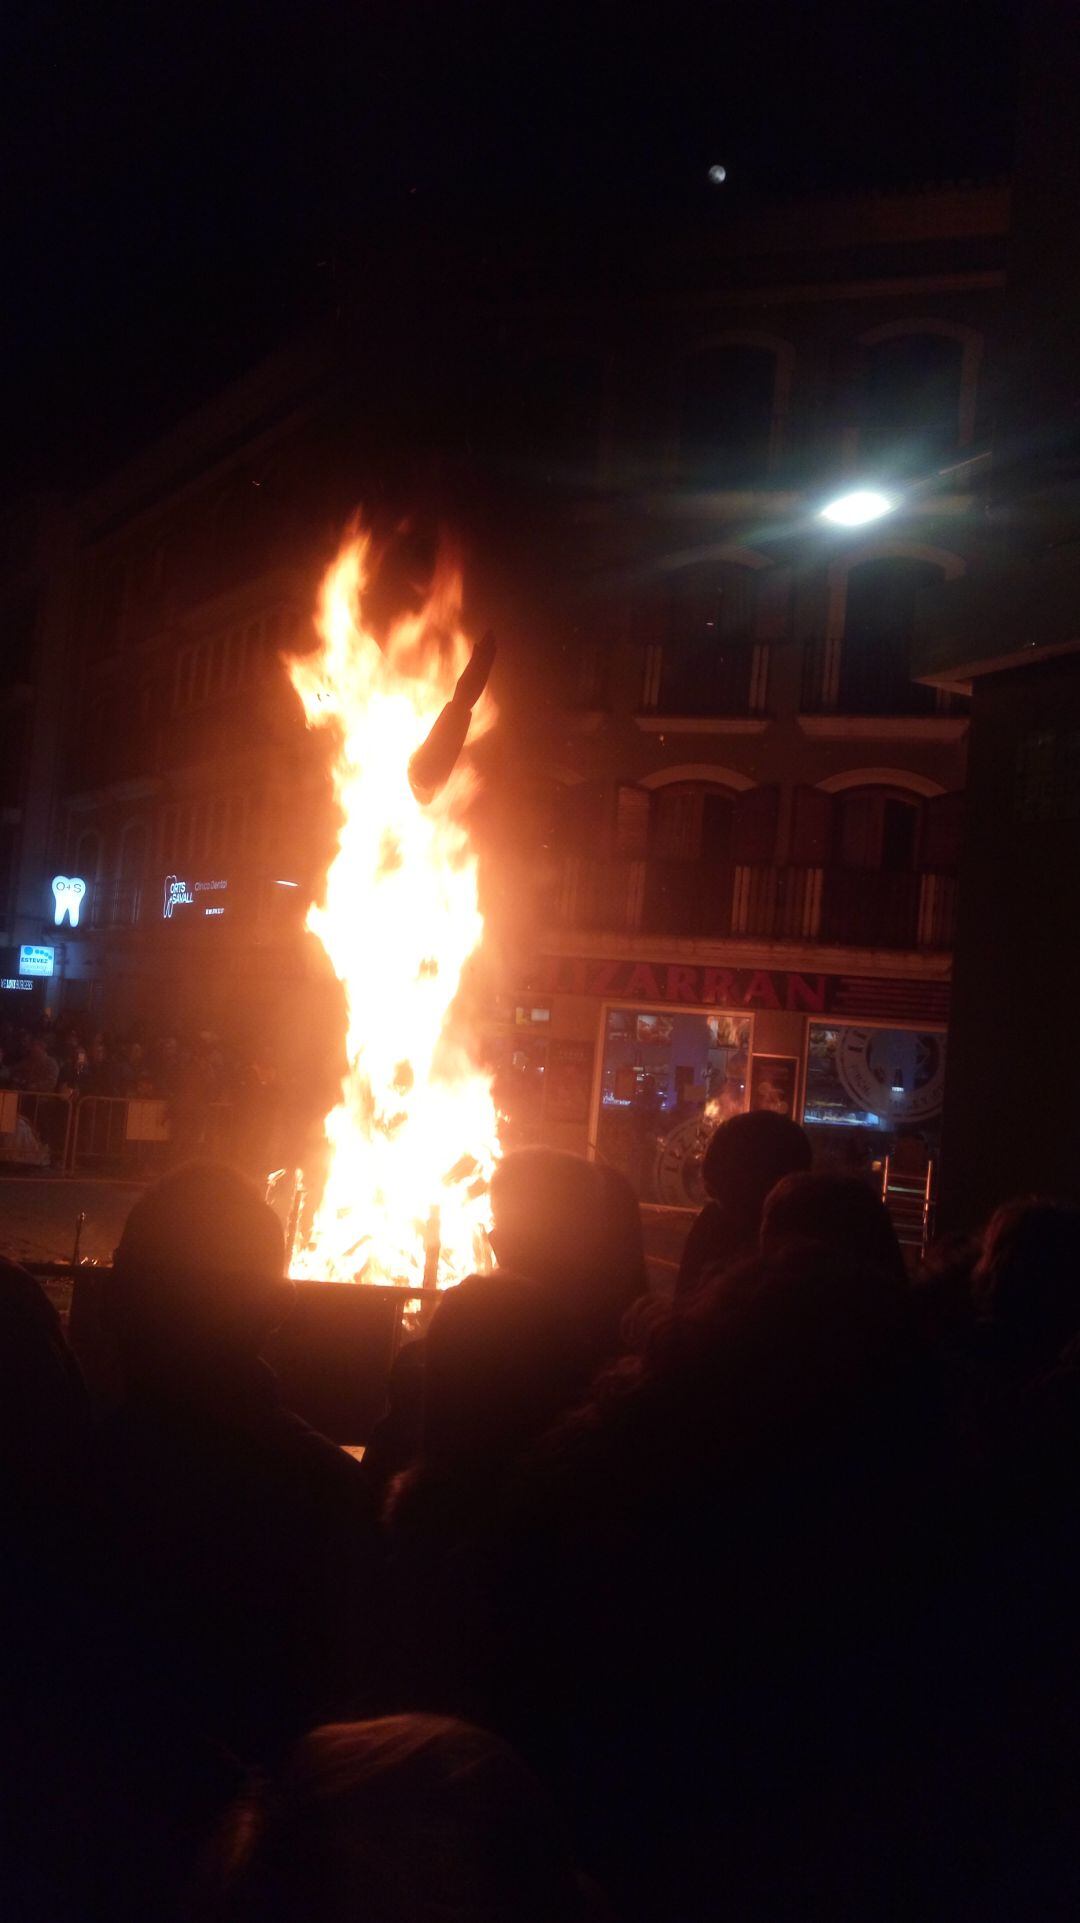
x=668 y=1078
x=728 y=408
x=868 y=1088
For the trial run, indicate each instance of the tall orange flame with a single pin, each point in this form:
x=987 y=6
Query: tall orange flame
x=415 y=1127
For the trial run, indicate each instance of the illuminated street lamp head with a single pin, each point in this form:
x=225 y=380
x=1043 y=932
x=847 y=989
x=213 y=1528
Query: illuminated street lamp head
x=855 y=509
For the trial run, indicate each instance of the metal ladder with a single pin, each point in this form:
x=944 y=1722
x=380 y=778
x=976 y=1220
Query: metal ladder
x=908 y=1194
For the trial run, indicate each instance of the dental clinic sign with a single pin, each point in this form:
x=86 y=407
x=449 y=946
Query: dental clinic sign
x=68 y=892
x=193 y=900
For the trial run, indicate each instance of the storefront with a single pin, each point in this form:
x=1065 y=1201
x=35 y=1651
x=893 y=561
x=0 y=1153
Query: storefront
x=638 y=1061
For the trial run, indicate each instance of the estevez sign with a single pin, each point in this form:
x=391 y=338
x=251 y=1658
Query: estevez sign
x=193 y=900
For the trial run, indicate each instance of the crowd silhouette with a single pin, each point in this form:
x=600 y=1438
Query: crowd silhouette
x=758 y=1599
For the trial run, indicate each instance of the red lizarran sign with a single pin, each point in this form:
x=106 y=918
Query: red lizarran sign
x=698 y=986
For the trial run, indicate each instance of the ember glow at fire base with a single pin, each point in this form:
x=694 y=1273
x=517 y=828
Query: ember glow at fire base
x=415 y=1128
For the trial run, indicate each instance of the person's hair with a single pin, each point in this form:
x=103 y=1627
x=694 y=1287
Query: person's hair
x=200 y=1262
x=749 y=1154
x=44 y=1413
x=407 y=1819
x=837 y=1212
x=496 y=1370
x=1027 y=1278
x=573 y=1228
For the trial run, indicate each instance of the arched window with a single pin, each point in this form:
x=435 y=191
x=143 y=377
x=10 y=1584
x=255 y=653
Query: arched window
x=695 y=836
x=909 y=398
x=879 y=620
x=888 y=855
x=876 y=829
x=130 y=874
x=708 y=657
x=728 y=413
x=87 y=862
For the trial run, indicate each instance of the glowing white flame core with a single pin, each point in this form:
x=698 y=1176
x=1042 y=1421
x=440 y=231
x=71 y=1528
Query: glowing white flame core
x=399 y=921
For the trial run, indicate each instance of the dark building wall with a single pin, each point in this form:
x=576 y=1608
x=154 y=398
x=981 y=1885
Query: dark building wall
x=1012 y=1120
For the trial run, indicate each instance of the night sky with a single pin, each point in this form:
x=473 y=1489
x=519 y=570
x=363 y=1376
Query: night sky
x=184 y=186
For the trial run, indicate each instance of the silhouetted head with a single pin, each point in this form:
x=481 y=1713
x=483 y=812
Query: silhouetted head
x=408 y=1819
x=748 y=1155
x=199 y=1266
x=1028 y=1275
x=836 y=1212
x=574 y=1228
x=496 y=1370
x=44 y=1414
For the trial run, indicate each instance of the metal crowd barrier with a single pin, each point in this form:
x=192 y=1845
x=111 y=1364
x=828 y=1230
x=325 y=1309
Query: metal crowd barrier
x=117 y=1133
x=110 y=1134
x=36 y=1129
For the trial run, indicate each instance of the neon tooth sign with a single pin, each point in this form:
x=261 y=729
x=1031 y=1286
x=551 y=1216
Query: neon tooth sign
x=68 y=891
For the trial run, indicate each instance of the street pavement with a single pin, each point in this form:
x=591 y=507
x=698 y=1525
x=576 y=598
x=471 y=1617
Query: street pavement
x=38 y=1214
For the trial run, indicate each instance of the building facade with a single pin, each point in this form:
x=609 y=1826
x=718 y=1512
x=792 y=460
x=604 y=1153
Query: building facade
x=724 y=821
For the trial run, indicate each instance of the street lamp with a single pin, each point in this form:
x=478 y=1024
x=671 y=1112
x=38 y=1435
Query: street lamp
x=863 y=504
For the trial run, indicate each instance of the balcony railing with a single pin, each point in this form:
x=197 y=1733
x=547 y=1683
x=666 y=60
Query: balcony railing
x=730 y=679
x=846 y=907
x=840 y=675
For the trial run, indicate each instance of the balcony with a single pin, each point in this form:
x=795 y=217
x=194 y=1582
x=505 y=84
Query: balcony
x=690 y=900
x=842 y=680
x=727 y=681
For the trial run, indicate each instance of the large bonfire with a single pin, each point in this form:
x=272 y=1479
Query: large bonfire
x=412 y=1141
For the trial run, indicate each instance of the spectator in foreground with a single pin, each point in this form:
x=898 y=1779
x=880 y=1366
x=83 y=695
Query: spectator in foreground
x=409 y=1819
x=746 y=1157
x=241 y=1539
x=573 y=1228
x=707 y=1605
x=499 y=1368
x=1026 y=1283
x=835 y=1212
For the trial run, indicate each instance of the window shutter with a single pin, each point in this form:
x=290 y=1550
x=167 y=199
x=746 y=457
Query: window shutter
x=941 y=836
x=632 y=822
x=737 y=598
x=756 y=813
x=860 y=830
x=773 y=598
x=676 y=822
x=811 y=832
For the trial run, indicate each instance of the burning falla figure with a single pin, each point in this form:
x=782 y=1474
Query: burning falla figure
x=433 y=763
x=414 y=1132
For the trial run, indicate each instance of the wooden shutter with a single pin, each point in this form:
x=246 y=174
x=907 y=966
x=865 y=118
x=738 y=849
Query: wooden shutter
x=575 y=818
x=773 y=599
x=811 y=828
x=737 y=597
x=632 y=811
x=859 y=837
x=941 y=833
x=675 y=828
x=756 y=812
